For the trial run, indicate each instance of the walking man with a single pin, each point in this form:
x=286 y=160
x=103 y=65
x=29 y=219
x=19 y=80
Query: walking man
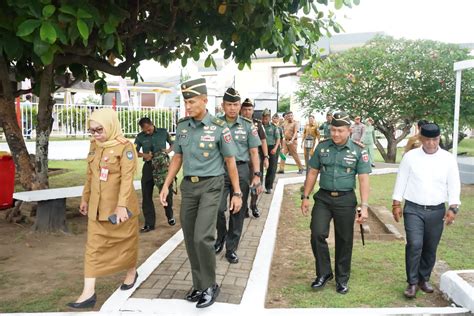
x=201 y=188
x=290 y=142
x=325 y=128
x=310 y=139
x=151 y=141
x=428 y=177
x=246 y=141
x=338 y=160
x=273 y=142
x=357 y=129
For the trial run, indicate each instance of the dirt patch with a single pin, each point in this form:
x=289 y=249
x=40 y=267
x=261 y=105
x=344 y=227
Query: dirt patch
x=35 y=266
x=468 y=277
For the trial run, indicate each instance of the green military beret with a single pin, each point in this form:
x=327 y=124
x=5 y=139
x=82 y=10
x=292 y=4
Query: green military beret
x=247 y=103
x=231 y=95
x=340 y=119
x=266 y=112
x=193 y=88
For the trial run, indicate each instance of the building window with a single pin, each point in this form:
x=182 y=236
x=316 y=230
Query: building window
x=148 y=99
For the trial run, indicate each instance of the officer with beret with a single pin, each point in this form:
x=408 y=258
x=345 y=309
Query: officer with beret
x=338 y=160
x=273 y=142
x=203 y=146
x=427 y=178
x=246 y=141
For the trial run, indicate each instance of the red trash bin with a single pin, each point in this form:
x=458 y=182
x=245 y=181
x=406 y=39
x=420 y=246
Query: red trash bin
x=7 y=180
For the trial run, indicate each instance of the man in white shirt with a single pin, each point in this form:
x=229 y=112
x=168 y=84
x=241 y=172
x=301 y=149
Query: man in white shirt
x=427 y=178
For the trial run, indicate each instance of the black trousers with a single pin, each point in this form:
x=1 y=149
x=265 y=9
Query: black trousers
x=342 y=210
x=236 y=221
x=272 y=167
x=147 y=196
x=423 y=227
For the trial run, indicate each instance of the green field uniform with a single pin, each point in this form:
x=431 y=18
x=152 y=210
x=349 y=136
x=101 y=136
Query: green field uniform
x=203 y=146
x=245 y=136
x=273 y=135
x=336 y=199
x=154 y=172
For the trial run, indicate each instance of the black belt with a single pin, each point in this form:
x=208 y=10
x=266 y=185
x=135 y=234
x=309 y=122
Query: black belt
x=425 y=207
x=241 y=162
x=195 y=179
x=336 y=193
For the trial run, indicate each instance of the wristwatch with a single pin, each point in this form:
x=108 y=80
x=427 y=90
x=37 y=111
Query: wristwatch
x=239 y=194
x=266 y=157
x=454 y=209
x=304 y=197
x=258 y=174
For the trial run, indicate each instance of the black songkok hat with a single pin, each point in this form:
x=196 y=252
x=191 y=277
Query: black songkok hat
x=340 y=119
x=430 y=130
x=231 y=95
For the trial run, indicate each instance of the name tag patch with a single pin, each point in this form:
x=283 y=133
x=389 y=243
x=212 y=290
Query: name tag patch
x=208 y=138
x=104 y=174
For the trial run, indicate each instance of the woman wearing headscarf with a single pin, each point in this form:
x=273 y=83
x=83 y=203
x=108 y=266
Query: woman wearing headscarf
x=368 y=139
x=109 y=190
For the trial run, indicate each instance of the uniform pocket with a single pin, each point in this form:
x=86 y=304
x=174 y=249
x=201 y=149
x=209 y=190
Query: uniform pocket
x=204 y=154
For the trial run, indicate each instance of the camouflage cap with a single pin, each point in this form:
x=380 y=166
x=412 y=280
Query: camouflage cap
x=231 y=95
x=340 y=119
x=193 y=88
x=247 y=103
x=266 y=112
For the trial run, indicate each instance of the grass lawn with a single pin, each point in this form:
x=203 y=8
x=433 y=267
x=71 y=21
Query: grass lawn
x=378 y=269
x=467 y=145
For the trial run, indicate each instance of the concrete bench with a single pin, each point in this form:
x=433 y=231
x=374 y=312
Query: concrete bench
x=53 y=202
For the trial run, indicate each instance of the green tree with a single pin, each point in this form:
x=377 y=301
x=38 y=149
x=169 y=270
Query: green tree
x=55 y=43
x=284 y=104
x=396 y=82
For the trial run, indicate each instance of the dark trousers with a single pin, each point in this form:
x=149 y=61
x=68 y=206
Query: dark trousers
x=342 y=210
x=423 y=227
x=236 y=220
x=199 y=205
x=272 y=167
x=147 y=196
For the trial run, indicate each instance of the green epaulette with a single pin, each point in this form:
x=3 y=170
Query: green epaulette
x=325 y=140
x=358 y=144
x=218 y=121
x=184 y=119
x=246 y=119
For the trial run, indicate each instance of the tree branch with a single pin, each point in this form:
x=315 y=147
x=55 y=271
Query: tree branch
x=95 y=63
x=17 y=93
x=7 y=90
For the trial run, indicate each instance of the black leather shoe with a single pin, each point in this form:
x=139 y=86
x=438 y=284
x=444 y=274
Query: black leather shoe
x=219 y=245
x=171 y=221
x=280 y=172
x=89 y=303
x=342 y=288
x=425 y=286
x=320 y=282
x=269 y=191
x=146 y=229
x=256 y=213
x=125 y=287
x=410 y=291
x=193 y=295
x=208 y=296
x=232 y=257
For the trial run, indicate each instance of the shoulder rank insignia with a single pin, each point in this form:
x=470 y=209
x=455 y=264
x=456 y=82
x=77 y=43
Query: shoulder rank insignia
x=246 y=119
x=184 y=119
x=218 y=121
x=122 y=140
x=358 y=144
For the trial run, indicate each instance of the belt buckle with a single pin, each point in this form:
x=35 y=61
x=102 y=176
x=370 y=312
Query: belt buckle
x=194 y=179
x=334 y=194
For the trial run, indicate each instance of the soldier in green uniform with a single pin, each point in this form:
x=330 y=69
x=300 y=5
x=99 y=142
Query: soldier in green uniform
x=202 y=185
x=326 y=126
x=247 y=111
x=151 y=141
x=273 y=142
x=246 y=140
x=338 y=160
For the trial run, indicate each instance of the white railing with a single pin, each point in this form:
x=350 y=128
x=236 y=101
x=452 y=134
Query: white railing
x=71 y=120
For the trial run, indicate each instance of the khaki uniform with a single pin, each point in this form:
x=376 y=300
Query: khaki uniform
x=336 y=199
x=412 y=143
x=110 y=248
x=310 y=140
x=288 y=132
x=203 y=146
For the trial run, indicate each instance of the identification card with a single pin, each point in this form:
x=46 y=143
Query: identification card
x=104 y=173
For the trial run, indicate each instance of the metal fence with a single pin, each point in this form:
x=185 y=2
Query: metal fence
x=71 y=120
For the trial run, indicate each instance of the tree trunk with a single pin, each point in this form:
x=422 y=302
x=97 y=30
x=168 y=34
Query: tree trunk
x=51 y=216
x=43 y=130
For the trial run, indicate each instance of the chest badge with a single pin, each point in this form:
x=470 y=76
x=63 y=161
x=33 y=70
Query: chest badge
x=205 y=154
x=201 y=145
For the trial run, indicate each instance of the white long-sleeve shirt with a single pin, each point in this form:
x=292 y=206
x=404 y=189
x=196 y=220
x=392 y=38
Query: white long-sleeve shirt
x=428 y=179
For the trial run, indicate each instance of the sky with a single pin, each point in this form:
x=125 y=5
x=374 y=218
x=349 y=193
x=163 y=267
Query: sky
x=450 y=21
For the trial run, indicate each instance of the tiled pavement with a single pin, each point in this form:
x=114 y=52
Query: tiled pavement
x=172 y=278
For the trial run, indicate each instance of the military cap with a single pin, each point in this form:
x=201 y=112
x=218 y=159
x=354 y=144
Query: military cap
x=231 y=95
x=430 y=130
x=266 y=112
x=247 y=103
x=193 y=88
x=340 y=119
